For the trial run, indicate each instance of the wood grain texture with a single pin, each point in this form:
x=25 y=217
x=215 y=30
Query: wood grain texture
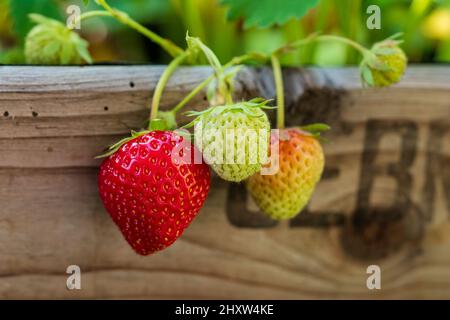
x=384 y=198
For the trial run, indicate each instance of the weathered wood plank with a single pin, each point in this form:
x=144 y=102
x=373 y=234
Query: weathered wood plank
x=46 y=102
x=387 y=167
x=301 y=262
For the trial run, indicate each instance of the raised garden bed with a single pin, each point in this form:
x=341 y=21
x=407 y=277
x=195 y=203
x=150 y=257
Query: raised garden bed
x=384 y=198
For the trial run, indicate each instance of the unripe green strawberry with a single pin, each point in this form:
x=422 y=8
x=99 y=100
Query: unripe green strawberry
x=51 y=42
x=234 y=139
x=386 y=66
x=301 y=161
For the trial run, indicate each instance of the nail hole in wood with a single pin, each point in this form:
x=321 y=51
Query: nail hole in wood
x=6 y=114
x=131 y=84
x=106 y=108
x=35 y=114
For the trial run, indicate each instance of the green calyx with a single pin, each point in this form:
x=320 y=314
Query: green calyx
x=155 y=125
x=315 y=130
x=116 y=146
x=169 y=119
x=51 y=42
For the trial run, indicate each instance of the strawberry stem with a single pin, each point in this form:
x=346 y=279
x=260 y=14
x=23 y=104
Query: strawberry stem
x=163 y=82
x=278 y=76
x=347 y=41
x=224 y=89
x=204 y=83
x=92 y=14
x=122 y=17
x=192 y=94
x=343 y=40
x=316 y=37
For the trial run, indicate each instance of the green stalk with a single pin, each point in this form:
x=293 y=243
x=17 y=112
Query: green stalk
x=277 y=73
x=192 y=94
x=204 y=83
x=315 y=37
x=296 y=44
x=223 y=88
x=91 y=14
x=94 y=13
x=260 y=57
x=163 y=82
x=349 y=42
x=122 y=17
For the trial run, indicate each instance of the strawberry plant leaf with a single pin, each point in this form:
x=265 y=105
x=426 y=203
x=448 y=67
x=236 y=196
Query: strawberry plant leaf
x=86 y=2
x=264 y=13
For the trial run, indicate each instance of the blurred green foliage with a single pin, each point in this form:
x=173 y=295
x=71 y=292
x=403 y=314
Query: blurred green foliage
x=425 y=24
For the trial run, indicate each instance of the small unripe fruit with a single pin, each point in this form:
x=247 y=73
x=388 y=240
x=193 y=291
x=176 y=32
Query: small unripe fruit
x=51 y=42
x=396 y=61
x=286 y=193
x=385 y=66
x=234 y=139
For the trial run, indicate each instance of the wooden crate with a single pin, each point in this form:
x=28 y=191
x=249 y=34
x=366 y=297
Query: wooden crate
x=384 y=198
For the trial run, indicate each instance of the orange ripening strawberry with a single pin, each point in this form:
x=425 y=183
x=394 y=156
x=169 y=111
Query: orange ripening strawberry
x=149 y=193
x=301 y=162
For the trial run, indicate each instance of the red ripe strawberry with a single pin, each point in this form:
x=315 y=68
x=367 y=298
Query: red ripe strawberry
x=151 y=198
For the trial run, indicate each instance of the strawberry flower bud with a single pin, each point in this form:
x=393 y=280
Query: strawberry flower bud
x=385 y=65
x=51 y=42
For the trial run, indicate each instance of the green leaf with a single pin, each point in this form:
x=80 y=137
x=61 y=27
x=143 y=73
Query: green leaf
x=264 y=13
x=20 y=11
x=86 y=2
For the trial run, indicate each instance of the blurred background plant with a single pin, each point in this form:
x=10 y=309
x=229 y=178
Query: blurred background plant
x=425 y=24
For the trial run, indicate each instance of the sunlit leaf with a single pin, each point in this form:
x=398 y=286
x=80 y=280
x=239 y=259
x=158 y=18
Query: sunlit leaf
x=264 y=13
